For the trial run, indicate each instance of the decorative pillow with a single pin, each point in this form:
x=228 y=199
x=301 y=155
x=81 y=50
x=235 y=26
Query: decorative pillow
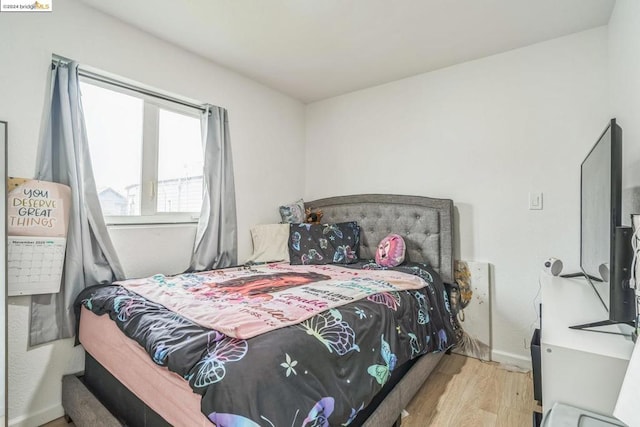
x=270 y=243
x=324 y=243
x=390 y=252
x=293 y=212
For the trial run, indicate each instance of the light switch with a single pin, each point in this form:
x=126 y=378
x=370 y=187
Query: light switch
x=535 y=201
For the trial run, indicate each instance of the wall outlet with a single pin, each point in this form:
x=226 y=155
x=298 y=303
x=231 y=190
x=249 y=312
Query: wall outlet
x=535 y=201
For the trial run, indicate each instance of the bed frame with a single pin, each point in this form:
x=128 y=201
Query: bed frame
x=426 y=225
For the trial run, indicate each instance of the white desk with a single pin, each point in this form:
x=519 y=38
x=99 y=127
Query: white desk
x=580 y=368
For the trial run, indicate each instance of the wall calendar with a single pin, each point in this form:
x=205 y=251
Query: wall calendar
x=37 y=221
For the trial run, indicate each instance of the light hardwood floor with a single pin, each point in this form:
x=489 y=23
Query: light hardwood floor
x=463 y=392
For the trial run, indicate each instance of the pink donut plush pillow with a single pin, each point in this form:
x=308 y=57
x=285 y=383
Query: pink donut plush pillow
x=390 y=251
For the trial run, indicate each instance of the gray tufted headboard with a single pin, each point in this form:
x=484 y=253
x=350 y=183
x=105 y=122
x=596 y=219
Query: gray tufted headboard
x=426 y=225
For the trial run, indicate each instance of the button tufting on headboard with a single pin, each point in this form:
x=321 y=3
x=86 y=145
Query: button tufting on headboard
x=425 y=223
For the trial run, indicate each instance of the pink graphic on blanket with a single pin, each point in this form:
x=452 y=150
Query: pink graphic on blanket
x=258 y=287
x=245 y=302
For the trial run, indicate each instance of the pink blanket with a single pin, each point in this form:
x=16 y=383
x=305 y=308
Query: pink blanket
x=245 y=302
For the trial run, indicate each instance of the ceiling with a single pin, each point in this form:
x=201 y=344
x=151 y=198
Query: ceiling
x=316 y=49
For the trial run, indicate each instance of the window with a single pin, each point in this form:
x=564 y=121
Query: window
x=147 y=155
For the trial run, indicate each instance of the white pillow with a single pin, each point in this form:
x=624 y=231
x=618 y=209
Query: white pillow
x=270 y=243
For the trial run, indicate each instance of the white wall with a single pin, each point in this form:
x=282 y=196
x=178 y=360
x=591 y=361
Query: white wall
x=624 y=71
x=484 y=133
x=267 y=131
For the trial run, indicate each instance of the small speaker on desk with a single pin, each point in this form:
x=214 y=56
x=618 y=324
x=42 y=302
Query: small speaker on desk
x=553 y=266
x=603 y=269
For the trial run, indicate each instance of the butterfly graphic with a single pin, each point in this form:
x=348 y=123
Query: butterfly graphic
x=446 y=302
x=417 y=271
x=125 y=306
x=170 y=323
x=354 y=413
x=423 y=312
x=189 y=280
x=158 y=330
x=318 y=416
x=427 y=275
x=423 y=317
x=372 y=266
x=305 y=225
x=413 y=341
x=344 y=253
x=382 y=373
x=320 y=413
x=229 y=420
x=390 y=299
x=160 y=354
x=295 y=240
x=313 y=254
x=211 y=368
x=420 y=298
x=324 y=243
x=161 y=280
x=332 y=228
x=442 y=340
x=329 y=328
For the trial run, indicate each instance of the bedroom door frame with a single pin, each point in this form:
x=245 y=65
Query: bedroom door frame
x=4 y=137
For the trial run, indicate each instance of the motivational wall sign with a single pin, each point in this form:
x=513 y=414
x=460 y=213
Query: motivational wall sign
x=37 y=208
x=37 y=221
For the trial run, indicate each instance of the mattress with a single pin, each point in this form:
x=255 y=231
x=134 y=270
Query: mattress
x=163 y=391
x=330 y=365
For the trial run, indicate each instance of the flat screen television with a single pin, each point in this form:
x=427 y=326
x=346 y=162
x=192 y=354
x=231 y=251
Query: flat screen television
x=605 y=245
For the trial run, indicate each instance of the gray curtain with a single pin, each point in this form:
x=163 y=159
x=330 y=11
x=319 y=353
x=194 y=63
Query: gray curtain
x=64 y=158
x=216 y=243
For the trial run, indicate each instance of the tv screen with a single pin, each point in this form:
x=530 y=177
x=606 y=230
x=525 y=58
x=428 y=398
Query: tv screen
x=605 y=245
x=600 y=203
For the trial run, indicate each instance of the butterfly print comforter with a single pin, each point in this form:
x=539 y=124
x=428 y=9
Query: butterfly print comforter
x=320 y=372
x=243 y=302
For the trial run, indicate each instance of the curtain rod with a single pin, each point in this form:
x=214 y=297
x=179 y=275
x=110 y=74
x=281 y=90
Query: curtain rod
x=114 y=82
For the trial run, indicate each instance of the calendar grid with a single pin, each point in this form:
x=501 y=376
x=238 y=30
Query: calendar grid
x=34 y=264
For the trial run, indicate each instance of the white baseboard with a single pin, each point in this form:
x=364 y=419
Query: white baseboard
x=511 y=359
x=37 y=419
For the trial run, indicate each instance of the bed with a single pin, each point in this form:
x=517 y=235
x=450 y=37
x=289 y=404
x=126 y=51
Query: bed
x=121 y=373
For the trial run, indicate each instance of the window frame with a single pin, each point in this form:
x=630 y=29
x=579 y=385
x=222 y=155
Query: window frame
x=152 y=105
